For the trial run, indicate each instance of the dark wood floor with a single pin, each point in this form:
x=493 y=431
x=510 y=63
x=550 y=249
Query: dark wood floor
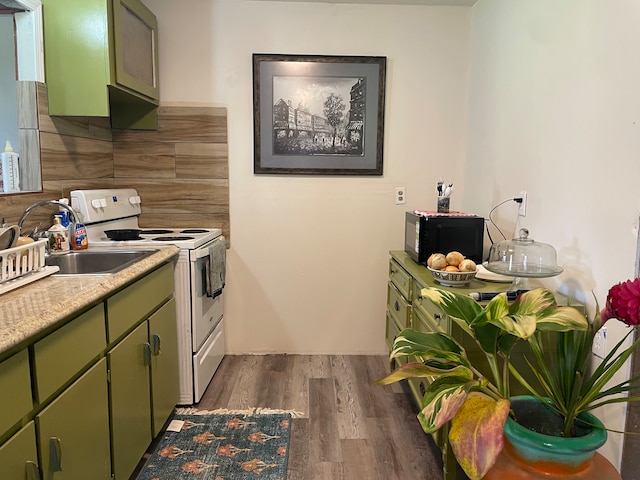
x=350 y=428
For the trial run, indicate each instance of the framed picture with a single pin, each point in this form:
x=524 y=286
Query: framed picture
x=318 y=115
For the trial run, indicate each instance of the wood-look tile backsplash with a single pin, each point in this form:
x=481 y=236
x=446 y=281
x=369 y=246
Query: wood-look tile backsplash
x=180 y=171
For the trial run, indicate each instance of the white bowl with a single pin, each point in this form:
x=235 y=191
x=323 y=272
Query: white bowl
x=452 y=279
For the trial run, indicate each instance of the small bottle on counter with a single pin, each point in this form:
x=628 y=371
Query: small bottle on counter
x=58 y=236
x=79 y=240
x=64 y=214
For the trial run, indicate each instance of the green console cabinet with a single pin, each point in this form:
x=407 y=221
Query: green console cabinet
x=407 y=308
x=101 y=60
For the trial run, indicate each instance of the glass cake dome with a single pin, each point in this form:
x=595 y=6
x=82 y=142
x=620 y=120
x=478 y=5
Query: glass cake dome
x=523 y=258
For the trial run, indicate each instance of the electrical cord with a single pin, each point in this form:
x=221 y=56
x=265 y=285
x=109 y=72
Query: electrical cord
x=517 y=200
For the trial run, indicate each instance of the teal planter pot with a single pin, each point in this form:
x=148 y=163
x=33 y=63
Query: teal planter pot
x=532 y=446
x=544 y=454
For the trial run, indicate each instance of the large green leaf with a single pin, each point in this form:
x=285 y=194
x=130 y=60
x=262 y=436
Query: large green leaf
x=516 y=320
x=428 y=346
x=476 y=434
x=442 y=400
x=457 y=306
x=533 y=302
x=420 y=370
x=562 y=319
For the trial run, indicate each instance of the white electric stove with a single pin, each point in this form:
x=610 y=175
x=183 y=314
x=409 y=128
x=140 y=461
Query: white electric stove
x=199 y=311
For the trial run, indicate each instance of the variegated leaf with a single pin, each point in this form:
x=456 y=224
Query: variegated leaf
x=521 y=326
x=432 y=345
x=563 y=319
x=461 y=308
x=497 y=307
x=533 y=302
x=442 y=400
x=420 y=370
x=476 y=433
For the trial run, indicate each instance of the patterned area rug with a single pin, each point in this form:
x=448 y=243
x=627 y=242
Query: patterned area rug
x=222 y=446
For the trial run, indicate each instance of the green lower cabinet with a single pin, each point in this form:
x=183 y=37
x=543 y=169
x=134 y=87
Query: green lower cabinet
x=18 y=456
x=74 y=430
x=165 y=386
x=130 y=401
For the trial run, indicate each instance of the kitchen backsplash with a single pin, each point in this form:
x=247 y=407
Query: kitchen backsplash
x=180 y=171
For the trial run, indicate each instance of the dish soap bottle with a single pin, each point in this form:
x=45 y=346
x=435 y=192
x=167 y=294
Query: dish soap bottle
x=10 y=169
x=58 y=237
x=79 y=240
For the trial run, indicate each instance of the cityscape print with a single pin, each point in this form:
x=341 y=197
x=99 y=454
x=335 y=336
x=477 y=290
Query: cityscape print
x=319 y=115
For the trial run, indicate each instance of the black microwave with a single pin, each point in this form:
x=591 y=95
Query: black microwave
x=425 y=234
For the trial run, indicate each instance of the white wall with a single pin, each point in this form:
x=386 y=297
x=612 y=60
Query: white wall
x=554 y=109
x=308 y=262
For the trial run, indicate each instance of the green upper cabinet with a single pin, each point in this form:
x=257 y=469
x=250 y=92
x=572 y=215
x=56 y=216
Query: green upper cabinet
x=101 y=60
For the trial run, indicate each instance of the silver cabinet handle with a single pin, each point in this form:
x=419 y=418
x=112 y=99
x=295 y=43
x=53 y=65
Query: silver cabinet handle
x=32 y=472
x=146 y=354
x=396 y=305
x=55 y=454
x=156 y=344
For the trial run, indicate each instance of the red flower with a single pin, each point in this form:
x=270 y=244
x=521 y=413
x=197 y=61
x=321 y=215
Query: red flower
x=623 y=303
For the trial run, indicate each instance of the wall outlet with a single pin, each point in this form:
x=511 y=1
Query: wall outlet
x=522 y=207
x=599 y=347
x=401 y=195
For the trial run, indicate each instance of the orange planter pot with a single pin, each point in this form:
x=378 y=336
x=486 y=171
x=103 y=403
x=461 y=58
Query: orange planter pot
x=529 y=455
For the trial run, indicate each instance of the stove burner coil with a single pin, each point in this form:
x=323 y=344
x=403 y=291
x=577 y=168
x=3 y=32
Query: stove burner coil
x=194 y=230
x=155 y=232
x=171 y=239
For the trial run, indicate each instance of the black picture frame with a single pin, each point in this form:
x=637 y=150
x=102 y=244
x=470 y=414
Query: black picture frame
x=318 y=114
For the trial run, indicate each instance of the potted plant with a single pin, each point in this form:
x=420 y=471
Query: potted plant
x=478 y=404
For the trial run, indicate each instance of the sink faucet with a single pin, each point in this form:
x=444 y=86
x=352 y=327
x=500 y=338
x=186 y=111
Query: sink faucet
x=29 y=209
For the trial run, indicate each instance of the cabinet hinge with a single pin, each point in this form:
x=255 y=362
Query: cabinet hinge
x=109 y=380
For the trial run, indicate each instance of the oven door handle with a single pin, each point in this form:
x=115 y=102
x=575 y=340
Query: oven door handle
x=204 y=251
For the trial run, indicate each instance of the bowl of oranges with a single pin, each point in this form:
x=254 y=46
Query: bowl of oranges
x=452 y=269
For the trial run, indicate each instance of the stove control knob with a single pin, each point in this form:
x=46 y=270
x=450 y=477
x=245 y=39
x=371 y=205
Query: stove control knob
x=103 y=202
x=95 y=203
x=135 y=200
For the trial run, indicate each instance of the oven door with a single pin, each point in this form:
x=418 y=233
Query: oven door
x=206 y=312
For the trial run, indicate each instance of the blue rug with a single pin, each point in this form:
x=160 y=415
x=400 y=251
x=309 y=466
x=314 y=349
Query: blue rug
x=210 y=446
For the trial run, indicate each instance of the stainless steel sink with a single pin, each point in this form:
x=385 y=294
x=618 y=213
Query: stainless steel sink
x=96 y=262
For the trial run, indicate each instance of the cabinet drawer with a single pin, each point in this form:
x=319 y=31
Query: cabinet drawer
x=63 y=354
x=398 y=306
x=14 y=378
x=400 y=277
x=429 y=311
x=133 y=304
x=392 y=331
x=424 y=323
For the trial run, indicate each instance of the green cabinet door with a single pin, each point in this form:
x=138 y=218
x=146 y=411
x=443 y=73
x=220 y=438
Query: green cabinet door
x=74 y=430
x=18 y=456
x=130 y=400
x=102 y=61
x=15 y=391
x=165 y=386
